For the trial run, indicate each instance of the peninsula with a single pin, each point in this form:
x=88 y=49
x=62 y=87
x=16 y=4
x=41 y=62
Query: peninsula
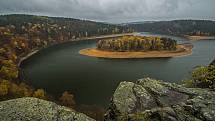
x=138 y=47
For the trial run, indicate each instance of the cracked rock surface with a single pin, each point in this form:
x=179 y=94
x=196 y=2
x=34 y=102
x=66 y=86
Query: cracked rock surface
x=153 y=100
x=33 y=109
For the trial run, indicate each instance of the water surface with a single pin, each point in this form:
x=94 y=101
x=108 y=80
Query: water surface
x=93 y=80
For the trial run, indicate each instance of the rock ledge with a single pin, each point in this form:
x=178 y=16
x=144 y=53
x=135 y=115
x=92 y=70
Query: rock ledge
x=33 y=109
x=153 y=100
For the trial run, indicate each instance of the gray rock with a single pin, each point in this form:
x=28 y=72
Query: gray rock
x=33 y=109
x=153 y=100
x=137 y=98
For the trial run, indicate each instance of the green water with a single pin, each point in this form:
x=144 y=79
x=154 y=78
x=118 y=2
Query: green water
x=93 y=80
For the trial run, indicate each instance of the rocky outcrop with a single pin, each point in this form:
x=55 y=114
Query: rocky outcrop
x=33 y=109
x=153 y=100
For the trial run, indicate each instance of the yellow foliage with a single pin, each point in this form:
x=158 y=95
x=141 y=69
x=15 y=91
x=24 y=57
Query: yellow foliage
x=39 y=93
x=9 y=73
x=9 y=69
x=4 y=87
x=2 y=51
x=8 y=63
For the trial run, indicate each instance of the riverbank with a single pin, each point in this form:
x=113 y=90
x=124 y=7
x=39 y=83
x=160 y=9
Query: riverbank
x=78 y=39
x=104 y=36
x=195 y=38
x=182 y=50
x=27 y=56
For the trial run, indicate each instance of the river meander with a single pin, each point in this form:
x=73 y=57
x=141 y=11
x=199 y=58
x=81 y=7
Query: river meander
x=93 y=80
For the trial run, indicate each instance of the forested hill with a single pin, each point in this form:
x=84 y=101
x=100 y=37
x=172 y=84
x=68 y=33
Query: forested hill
x=20 y=35
x=70 y=28
x=177 y=27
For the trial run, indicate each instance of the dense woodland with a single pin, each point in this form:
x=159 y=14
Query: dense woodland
x=137 y=43
x=177 y=27
x=22 y=34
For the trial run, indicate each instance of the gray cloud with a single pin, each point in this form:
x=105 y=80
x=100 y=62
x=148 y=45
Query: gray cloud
x=114 y=10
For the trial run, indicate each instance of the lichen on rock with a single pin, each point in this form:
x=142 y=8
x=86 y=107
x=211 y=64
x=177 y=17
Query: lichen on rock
x=33 y=109
x=153 y=100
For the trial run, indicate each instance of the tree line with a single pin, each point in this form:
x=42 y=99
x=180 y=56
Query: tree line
x=177 y=27
x=137 y=43
x=22 y=34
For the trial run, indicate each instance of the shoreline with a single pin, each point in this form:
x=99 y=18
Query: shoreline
x=195 y=38
x=182 y=50
x=33 y=52
x=27 y=56
x=103 y=36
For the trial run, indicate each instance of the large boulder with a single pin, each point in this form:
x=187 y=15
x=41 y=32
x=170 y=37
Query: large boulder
x=153 y=100
x=33 y=109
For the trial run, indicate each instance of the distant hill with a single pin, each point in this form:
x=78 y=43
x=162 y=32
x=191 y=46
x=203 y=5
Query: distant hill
x=73 y=27
x=177 y=27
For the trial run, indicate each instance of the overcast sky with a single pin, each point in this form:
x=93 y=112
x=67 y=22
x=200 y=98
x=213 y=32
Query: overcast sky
x=114 y=11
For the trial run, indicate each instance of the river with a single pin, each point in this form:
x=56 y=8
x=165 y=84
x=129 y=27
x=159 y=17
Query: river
x=93 y=80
